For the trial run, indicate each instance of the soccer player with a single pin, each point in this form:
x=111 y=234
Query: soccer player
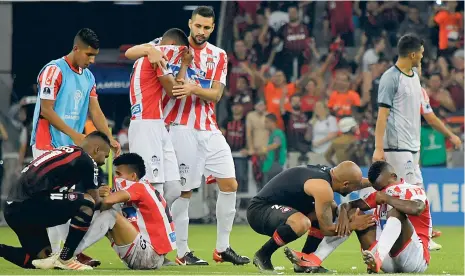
x=200 y=147
x=281 y=210
x=147 y=233
x=42 y=199
x=401 y=103
x=67 y=92
x=399 y=241
x=148 y=136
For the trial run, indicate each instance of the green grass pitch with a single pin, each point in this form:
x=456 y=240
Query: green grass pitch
x=345 y=260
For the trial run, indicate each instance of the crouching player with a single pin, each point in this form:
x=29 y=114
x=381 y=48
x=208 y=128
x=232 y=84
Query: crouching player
x=146 y=235
x=399 y=241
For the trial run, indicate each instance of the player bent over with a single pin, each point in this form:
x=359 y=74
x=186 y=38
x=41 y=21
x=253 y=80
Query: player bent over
x=147 y=234
x=399 y=241
x=280 y=210
x=41 y=199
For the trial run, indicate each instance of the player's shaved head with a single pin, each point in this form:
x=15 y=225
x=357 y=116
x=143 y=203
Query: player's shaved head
x=97 y=145
x=175 y=36
x=347 y=177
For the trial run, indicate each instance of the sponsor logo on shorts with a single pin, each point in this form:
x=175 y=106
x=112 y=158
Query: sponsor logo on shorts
x=155 y=172
x=46 y=91
x=155 y=159
x=172 y=236
x=283 y=209
x=183 y=169
x=135 y=109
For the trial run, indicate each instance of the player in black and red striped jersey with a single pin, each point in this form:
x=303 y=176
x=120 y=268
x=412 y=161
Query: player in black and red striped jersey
x=59 y=185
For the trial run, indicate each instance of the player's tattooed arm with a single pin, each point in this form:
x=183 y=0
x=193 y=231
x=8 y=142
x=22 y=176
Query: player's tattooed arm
x=321 y=191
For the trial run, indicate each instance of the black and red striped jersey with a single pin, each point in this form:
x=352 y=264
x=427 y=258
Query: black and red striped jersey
x=56 y=171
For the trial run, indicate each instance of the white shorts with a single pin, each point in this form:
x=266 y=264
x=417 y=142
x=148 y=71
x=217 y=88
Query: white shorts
x=201 y=153
x=37 y=152
x=150 y=139
x=139 y=254
x=406 y=165
x=410 y=259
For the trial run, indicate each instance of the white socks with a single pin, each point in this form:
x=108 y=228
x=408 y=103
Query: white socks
x=327 y=246
x=389 y=236
x=56 y=235
x=172 y=190
x=225 y=212
x=180 y=212
x=101 y=223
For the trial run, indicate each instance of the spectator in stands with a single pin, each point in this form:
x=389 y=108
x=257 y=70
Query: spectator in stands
x=392 y=13
x=265 y=48
x=344 y=146
x=311 y=95
x=370 y=21
x=339 y=20
x=296 y=39
x=122 y=137
x=413 y=24
x=257 y=134
x=323 y=129
x=234 y=129
x=245 y=94
x=295 y=127
x=450 y=22
x=371 y=57
x=273 y=91
x=3 y=137
x=343 y=101
x=376 y=72
x=239 y=65
x=439 y=97
x=25 y=151
x=275 y=152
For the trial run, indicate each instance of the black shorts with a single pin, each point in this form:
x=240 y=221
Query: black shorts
x=31 y=218
x=265 y=218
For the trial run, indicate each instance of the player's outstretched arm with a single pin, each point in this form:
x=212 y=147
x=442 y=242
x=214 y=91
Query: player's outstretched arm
x=438 y=125
x=409 y=207
x=114 y=198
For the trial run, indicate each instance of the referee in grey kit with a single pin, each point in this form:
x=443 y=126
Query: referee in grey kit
x=402 y=101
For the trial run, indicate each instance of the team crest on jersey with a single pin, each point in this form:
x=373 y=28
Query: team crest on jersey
x=72 y=196
x=46 y=91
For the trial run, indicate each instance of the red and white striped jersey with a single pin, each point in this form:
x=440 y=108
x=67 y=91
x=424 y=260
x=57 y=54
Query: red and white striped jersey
x=146 y=90
x=148 y=212
x=210 y=64
x=421 y=223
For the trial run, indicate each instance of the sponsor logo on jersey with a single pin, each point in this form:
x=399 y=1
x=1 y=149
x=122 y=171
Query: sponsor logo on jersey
x=135 y=109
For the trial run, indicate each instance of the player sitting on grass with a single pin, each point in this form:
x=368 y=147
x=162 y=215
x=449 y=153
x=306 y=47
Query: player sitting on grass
x=399 y=241
x=146 y=235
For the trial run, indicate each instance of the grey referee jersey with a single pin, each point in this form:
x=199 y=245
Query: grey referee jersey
x=407 y=100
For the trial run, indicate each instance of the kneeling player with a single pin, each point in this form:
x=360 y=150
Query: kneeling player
x=281 y=209
x=143 y=243
x=41 y=199
x=399 y=241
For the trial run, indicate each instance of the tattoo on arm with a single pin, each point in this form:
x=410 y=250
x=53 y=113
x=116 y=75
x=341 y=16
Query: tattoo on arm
x=327 y=215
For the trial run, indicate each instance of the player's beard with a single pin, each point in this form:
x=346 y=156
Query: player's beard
x=199 y=41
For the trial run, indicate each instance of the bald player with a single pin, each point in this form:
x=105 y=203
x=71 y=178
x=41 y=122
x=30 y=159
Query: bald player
x=282 y=208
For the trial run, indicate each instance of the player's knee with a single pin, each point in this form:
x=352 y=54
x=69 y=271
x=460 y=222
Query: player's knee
x=227 y=185
x=299 y=223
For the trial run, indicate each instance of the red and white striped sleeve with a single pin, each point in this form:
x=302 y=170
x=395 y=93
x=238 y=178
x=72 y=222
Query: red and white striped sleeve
x=49 y=82
x=221 y=70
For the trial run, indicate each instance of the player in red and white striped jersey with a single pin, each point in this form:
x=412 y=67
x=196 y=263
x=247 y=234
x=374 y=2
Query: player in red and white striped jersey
x=142 y=243
x=399 y=241
x=194 y=126
x=147 y=134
